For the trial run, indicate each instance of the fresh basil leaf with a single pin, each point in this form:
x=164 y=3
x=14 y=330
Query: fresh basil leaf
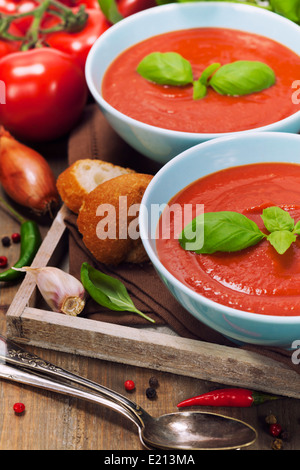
x=108 y=291
x=281 y=240
x=110 y=10
x=200 y=86
x=297 y=228
x=208 y=72
x=242 y=78
x=275 y=218
x=199 y=90
x=288 y=8
x=166 y=68
x=223 y=231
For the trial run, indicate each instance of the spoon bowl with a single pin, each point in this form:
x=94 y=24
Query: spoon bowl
x=198 y=431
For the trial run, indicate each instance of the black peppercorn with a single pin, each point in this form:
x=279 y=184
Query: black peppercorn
x=5 y=241
x=153 y=382
x=285 y=436
x=151 y=393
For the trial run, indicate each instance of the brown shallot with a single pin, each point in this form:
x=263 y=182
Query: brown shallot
x=26 y=175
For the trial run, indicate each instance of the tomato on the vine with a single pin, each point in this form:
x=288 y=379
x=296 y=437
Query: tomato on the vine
x=45 y=94
x=77 y=44
x=24 y=6
x=93 y=4
x=9 y=46
x=129 y=7
x=7 y=6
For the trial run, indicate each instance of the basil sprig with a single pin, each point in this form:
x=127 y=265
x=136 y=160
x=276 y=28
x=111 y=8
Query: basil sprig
x=238 y=78
x=228 y=231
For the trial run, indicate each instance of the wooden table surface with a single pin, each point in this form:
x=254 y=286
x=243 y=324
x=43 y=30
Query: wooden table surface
x=57 y=422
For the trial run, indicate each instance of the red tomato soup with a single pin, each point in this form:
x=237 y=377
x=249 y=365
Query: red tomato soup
x=173 y=107
x=256 y=279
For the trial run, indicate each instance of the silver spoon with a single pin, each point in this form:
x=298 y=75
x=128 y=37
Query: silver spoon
x=179 y=430
x=19 y=375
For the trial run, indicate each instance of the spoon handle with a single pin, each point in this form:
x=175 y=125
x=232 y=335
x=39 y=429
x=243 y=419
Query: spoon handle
x=12 y=353
x=31 y=378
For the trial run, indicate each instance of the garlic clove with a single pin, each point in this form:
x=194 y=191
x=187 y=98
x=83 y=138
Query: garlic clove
x=61 y=291
x=73 y=306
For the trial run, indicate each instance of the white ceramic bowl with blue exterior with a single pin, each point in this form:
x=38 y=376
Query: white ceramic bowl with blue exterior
x=182 y=170
x=161 y=144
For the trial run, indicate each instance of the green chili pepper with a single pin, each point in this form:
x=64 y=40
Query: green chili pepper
x=30 y=243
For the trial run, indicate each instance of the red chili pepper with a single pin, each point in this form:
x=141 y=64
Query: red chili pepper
x=235 y=397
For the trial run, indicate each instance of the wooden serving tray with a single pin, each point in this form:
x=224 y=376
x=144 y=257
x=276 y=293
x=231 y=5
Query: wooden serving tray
x=27 y=323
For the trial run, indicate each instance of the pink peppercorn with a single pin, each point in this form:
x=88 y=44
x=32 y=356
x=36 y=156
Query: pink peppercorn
x=16 y=237
x=129 y=385
x=3 y=261
x=19 y=408
x=275 y=429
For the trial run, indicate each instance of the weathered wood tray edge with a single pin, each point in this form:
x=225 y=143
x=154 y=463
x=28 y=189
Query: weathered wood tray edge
x=138 y=346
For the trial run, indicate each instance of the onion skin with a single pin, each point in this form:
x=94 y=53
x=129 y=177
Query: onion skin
x=26 y=176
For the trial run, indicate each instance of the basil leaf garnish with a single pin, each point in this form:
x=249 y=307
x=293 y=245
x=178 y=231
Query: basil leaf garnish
x=275 y=218
x=236 y=79
x=199 y=90
x=231 y=231
x=200 y=86
x=208 y=72
x=166 y=68
x=281 y=240
x=297 y=228
x=223 y=231
x=108 y=291
x=242 y=78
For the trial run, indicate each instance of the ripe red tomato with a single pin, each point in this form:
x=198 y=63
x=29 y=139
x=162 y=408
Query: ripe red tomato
x=77 y=44
x=8 y=46
x=75 y=3
x=7 y=6
x=45 y=94
x=24 y=6
x=129 y=7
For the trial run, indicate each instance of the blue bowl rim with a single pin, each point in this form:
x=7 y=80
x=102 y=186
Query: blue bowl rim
x=189 y=136
x=222 y=309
